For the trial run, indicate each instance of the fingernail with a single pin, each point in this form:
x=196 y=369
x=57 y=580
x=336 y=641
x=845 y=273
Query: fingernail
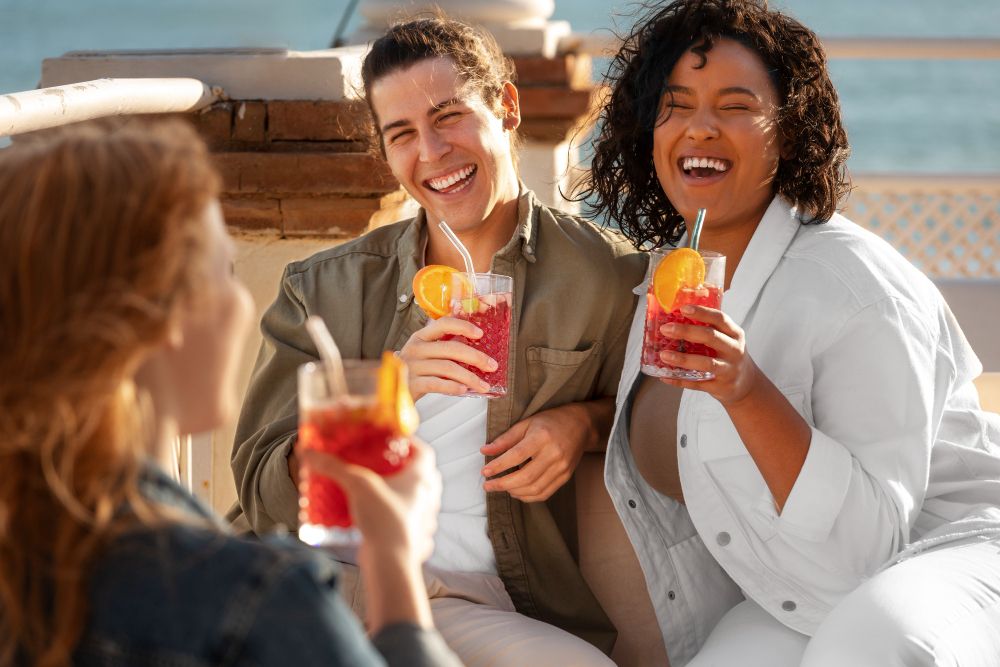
x=484 y=387
x=687 y=310
x=493 y=365
x=668 y=329
x=479 y=332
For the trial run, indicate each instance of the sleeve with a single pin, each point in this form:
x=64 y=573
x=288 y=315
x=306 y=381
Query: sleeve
x=879 y=390
x=268 y=421
x=302 y=620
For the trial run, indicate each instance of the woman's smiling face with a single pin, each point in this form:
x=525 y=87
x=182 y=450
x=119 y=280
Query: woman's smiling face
x=716 y=144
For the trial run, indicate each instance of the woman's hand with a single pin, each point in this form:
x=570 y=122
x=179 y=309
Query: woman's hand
x=397 y=517
x=433 y=363
x=736 y=374
x=395 y=514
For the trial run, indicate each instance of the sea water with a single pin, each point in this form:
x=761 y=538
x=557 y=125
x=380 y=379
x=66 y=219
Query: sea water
x=901 y=116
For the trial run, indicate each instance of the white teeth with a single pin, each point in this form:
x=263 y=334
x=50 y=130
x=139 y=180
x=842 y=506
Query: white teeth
x=448 y=181
x=703 y=163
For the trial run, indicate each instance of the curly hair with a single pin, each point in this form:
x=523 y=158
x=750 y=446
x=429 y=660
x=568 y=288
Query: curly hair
x=622 y=181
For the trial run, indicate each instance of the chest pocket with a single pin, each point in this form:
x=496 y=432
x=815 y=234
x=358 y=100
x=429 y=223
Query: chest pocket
x=556 y=377
x=732 y=469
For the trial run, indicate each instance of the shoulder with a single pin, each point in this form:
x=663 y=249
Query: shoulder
x=188 y=589
x=842 y=257
x=571 y=237
x=376 y=245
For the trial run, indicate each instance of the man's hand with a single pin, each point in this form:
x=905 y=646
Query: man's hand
x=550 y=445
x=433 y=364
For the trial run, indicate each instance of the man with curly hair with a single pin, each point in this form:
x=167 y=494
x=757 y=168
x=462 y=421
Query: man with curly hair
x=837 y=464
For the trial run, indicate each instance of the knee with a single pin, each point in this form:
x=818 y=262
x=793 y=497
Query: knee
x=871 y=627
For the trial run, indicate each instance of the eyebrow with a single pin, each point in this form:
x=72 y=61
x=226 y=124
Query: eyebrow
x=731 y=90
x=430 y=112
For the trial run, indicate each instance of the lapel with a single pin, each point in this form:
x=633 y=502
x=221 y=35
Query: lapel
x=768 y=245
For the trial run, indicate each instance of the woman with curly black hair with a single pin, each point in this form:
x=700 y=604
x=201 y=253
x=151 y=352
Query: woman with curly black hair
x=837 y=465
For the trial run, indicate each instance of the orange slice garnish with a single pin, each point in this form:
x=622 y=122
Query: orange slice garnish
x=395 y=403
x=432 y=289
x=683 y=267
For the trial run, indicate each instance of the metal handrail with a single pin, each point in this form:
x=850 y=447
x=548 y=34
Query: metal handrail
x=866 y=48
x=59 y=105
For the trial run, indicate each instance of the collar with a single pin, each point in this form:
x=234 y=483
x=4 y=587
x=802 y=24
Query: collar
x=767 y=246
x=773 y=236
x=525 y=237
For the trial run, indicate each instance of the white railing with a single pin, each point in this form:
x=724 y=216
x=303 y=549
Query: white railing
x=60 y=105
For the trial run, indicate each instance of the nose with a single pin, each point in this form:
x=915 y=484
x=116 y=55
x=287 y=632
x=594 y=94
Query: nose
x=703 y=125
x=433 y=146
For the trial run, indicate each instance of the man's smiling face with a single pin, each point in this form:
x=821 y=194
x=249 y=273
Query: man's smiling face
x=444 y=144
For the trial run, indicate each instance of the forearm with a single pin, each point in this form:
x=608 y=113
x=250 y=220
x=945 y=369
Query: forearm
x=395 y=589
x=775 y=435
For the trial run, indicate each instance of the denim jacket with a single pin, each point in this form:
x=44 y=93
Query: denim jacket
x=189 y=594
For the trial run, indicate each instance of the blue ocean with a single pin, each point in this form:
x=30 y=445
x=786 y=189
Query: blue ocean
x=902 y=116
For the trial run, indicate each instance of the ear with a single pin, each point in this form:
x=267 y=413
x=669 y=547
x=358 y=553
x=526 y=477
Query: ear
x=511 y=105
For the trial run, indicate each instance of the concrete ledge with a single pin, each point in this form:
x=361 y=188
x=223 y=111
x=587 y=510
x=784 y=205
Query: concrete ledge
x=273 y=74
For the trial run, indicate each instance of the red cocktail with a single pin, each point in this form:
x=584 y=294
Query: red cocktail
x=488 y=306
x=701 y=287
x=360 y=426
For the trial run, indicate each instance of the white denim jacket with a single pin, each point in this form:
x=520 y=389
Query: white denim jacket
x=901 y=458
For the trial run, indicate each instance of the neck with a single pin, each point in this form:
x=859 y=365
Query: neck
x=483 y=241
x=731 y=239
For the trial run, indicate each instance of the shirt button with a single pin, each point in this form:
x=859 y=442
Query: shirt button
x=788 y=605
x=631 y=503
x=671 y=595
x=403 y=298
x=684 y=440
x=722 y=539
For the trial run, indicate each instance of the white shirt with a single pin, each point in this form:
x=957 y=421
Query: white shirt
x=455 y=428
x=901 y=458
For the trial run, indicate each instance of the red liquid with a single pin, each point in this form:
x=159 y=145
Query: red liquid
x=494 y=320
x=352 y=433
x=655 y=342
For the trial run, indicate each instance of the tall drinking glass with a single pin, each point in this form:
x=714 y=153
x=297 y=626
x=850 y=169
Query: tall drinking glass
x=707 y=292
x=487 y=301
x=351 y=425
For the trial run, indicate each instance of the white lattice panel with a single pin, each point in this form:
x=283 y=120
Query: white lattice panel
x=948 y=226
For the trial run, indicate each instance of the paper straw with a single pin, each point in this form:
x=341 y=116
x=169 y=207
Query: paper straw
x=696 y=231
x=329 y=352
x=463 y=251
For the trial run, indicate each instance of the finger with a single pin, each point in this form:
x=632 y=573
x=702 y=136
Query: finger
x=444 y=326
x=505 y=440
x=693 y=362
x=447 y=370
x=450 y=350
x=513 y=457
x=713 y=317
x=541 y=488
x=350 y=476
x=694 y=333
x=519 y=479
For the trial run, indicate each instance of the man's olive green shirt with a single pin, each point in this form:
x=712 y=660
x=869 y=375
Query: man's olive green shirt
x=573 y=305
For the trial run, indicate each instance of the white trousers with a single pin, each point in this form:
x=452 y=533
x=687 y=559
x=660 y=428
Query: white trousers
x=940 y=608
x=476 y=617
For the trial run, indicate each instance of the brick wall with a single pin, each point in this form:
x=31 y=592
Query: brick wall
x=301 y=168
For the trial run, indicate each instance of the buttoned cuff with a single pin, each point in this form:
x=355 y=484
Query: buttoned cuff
x=819 y=491
x=277 y=492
